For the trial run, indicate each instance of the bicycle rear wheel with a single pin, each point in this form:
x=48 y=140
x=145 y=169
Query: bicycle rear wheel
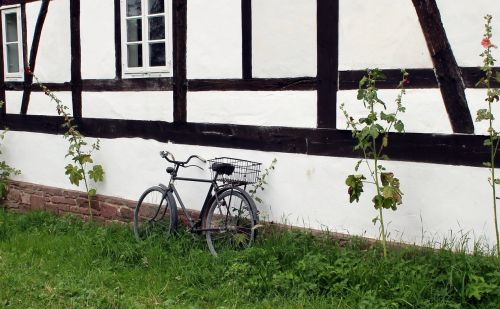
x=230 y=222
x=155 y=214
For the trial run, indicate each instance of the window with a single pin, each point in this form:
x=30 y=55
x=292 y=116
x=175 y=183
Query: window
x=12 y=43
x=145 y=38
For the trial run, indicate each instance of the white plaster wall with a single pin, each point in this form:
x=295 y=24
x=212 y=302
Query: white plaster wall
x=147 y=105
x=213 y=39
x=40 y=104
x=425 y=111
x=283 y=38
x=97 y=32
x=476 y=100
x=53 y=62
x=381 y=33
x=303 y=190
x=262 y=108
x=464 y=25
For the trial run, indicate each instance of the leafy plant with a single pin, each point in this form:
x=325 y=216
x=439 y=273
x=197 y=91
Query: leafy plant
x=483 y=114
x=262 y=181
x=5 y=170
x=372 y=135
x=79 y=150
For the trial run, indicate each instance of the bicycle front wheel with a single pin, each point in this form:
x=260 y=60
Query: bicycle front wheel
x=155 y=214
x=230 y=222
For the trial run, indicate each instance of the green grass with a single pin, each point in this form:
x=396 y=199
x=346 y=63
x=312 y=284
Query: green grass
x=52 y=262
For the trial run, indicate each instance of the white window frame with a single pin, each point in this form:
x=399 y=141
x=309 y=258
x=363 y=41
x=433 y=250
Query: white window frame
x=17 y=76
x=146 y=70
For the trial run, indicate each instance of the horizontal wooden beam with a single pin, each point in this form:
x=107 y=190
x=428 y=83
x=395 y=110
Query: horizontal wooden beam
x=254 y=84
x=415 y=147
x=349 y=80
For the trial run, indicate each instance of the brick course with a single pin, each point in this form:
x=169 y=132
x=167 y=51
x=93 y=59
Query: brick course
x=23 y=196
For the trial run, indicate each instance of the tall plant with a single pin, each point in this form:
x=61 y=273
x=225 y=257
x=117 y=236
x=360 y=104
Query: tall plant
x=372 y=134
x=79 y=150
x=5 y=170
x=486 y=114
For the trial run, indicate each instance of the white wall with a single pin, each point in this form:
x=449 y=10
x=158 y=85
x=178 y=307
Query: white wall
x=262 y=108
x=147 y=105
x=284 y=38
x=425 y=111
x=53 y=61
x=97 y=33
x=380 y=33
x=40 y=104
x=303 y=190
x=464 y=25
x=213 y=39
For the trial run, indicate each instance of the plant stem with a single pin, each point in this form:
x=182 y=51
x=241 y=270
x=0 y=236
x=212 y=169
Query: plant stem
x=493 y=184
x=377 y=184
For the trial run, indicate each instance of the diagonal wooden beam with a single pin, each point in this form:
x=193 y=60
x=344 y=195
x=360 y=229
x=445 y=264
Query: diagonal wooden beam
x=28 y=78
x=447 y=72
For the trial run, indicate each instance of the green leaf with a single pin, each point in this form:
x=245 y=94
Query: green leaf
x=96 y=173
x=355 y=184
x=374 y=131
x=487 y=142
x=92 y=192
x=497 y=77
x=74 y=173
x=497 y=181
x=399 y=126
x=378 y=201
x=385 y=141
x=487 y=164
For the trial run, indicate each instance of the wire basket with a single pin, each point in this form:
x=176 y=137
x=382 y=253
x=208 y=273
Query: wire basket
x=245 y=172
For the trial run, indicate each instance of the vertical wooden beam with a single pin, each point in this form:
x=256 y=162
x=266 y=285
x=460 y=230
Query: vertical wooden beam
x=3 y=109
x=327 y=57
x=28 y=78
x=24 y=27
x=246 y=38
x=76 y=58
x=179 y=20
x=118 y=40
x=447 y=71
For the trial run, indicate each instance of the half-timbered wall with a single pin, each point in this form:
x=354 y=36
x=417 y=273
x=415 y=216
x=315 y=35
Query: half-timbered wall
x=263 y=79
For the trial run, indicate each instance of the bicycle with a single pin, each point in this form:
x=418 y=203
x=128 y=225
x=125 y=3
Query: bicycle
x=228 y=217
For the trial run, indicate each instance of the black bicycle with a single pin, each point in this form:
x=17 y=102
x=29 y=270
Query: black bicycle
x=228 y=217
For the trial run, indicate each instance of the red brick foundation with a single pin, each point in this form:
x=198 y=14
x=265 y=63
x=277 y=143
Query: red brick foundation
x=23 y=196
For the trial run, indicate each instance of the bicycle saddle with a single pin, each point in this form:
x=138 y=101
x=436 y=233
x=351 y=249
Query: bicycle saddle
x=223 y=168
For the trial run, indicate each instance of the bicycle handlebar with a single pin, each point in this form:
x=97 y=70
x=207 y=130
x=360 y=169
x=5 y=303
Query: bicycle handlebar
x=165 y=155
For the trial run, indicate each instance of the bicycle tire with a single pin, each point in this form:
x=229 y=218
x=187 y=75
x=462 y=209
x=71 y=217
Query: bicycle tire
x=155 y=214
x=234 y=216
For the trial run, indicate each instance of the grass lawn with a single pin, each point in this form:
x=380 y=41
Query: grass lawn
x=52 y=262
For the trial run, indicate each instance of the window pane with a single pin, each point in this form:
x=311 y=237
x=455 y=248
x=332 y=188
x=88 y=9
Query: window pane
x=156 y=6
x=133 y=7
x=157 y=54
x=12 y=58
x=134 y=56
x=11 y=27
x=156 y=28
x=134 y=30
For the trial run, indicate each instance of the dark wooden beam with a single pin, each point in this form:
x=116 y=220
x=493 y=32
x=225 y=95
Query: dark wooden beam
x=453 y=149
x=327 y=58
x=118 y=40
x=254 y=84
x=76 y=58
x=28 y=78
x=12 y=2
x=179 y=14
x=3 y=108
x=448 y=73
x=246 y=38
